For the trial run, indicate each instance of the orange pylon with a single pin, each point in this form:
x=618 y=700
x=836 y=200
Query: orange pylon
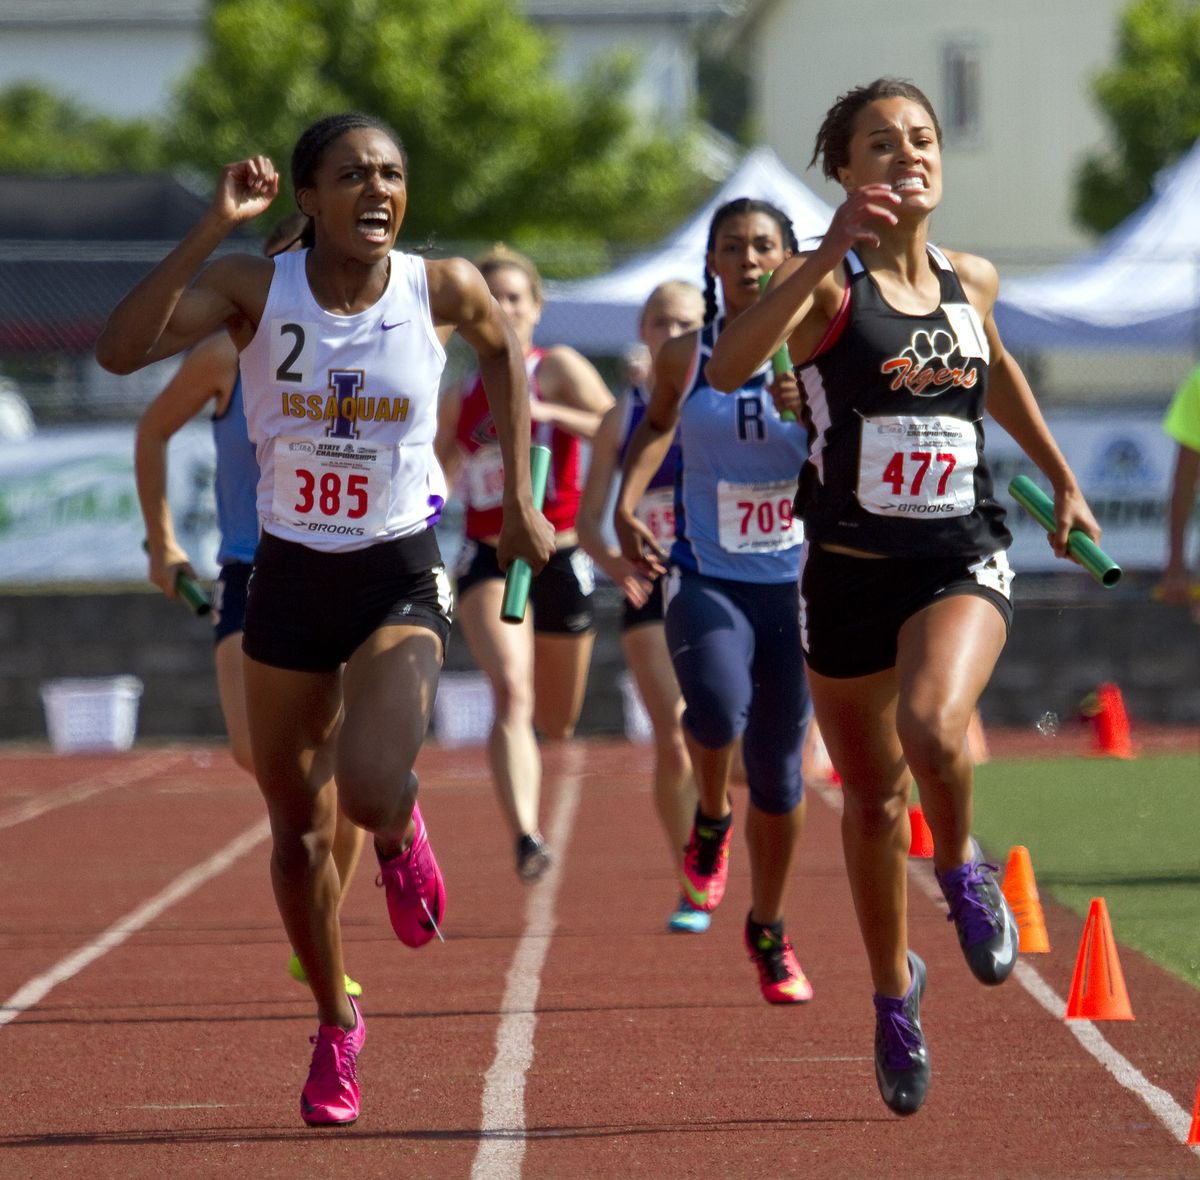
x=1193 y=1139
x=1021 y=892
x=921 y=844
x=1110 y=736
x=1098 y=984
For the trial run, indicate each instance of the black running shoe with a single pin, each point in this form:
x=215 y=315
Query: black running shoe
x=901 y=1058
x=533 y=858
x=987 y=929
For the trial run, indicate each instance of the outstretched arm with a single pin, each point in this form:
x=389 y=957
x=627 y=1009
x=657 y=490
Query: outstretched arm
x=445 y=444
x=648 y=449
x=1012 y=404
x=460 y=297
x=171 y=309
x=207 y=374
x=592 y=502
x=574 y=396
x=1176 y=583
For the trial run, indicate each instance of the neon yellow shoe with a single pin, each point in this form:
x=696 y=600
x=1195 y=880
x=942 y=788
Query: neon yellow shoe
x=296 y=971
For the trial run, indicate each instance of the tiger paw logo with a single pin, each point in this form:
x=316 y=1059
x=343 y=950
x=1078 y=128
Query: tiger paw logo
x=930 y=365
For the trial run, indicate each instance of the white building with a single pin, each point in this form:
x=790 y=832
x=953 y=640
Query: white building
x=122 y=57
x=1010 y=83
x=115 y=57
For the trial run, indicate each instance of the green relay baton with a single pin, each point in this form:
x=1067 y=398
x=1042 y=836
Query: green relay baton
x=781 y=362
x=189 y=590
x=519 y=577
x=1079 y=545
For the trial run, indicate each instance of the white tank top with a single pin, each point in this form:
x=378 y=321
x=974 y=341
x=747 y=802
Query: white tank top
x=342 y=411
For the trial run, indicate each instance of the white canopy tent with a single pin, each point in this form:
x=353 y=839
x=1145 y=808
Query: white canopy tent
x=600 y=315
x=1140 y=289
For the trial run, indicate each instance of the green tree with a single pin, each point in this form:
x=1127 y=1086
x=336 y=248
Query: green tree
x=497 y=147
x=45 y=134
x=1151 y=97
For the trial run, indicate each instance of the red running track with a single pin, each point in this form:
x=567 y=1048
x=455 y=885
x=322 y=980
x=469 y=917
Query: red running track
x=177 y=1045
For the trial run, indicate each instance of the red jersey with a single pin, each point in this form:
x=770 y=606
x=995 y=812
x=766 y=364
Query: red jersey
x=482 y=483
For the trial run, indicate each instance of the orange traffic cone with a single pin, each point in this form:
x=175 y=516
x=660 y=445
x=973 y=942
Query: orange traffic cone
x=1098 y=985
x=1110 y=737
x=1021 y=892
x=1193 y=1139
x=921 y=844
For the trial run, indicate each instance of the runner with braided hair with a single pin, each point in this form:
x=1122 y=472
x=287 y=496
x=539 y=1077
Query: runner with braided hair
x=732 y=621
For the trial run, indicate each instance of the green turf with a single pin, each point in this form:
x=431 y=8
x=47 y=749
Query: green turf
x=1125 y=831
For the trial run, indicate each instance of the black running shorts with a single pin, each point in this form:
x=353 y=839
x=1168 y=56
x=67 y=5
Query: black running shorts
x=561 y=595
x=852 y=608
x=309 y=611
x=229 y=600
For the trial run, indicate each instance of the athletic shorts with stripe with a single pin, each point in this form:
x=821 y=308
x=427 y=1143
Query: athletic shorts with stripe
x=852 y=608
x=309 y=611
x=561 y=595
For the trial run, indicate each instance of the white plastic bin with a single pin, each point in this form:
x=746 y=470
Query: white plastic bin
x=637 y=721
x=463 y=709
x=91 y=714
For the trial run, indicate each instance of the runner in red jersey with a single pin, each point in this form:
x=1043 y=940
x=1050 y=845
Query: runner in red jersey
x=537 y=671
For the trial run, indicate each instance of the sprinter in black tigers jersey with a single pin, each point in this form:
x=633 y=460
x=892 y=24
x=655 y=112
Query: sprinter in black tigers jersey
x=905 y=590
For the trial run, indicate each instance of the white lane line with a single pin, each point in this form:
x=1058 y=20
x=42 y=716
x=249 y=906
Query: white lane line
x=502 y=1126
x=77 y=792
x=1160 y=1104
x=30 y=993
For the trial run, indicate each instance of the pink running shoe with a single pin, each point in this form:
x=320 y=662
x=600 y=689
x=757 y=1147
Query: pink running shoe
x=706 y=866
x=331 y=1096
x=779 y=973
x=416 y=893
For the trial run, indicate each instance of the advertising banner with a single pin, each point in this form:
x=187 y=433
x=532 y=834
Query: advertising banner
x=69 y=509
x=69 y=512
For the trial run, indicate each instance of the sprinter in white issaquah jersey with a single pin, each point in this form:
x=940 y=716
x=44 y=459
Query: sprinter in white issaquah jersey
x=348 y=606
x=342 y=410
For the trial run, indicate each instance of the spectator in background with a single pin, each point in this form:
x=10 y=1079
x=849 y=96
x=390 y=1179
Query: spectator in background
x=1182 y=423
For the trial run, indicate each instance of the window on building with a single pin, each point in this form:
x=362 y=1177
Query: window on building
x=963 y=102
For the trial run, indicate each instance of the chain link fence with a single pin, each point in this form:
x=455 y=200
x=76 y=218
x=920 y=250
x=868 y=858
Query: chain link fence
x=55 y=297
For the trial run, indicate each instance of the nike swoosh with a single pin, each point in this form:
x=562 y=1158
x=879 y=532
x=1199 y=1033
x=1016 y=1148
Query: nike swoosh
x=1003 y=955
x=399 y=324
x=696 y=896
x=889 y=1086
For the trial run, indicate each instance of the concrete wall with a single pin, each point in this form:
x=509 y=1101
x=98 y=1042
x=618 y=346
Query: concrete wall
x=1068 y=638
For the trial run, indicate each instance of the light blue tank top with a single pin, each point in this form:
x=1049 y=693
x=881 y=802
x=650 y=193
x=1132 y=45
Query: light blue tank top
x=236 y=483
x=736 y=481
